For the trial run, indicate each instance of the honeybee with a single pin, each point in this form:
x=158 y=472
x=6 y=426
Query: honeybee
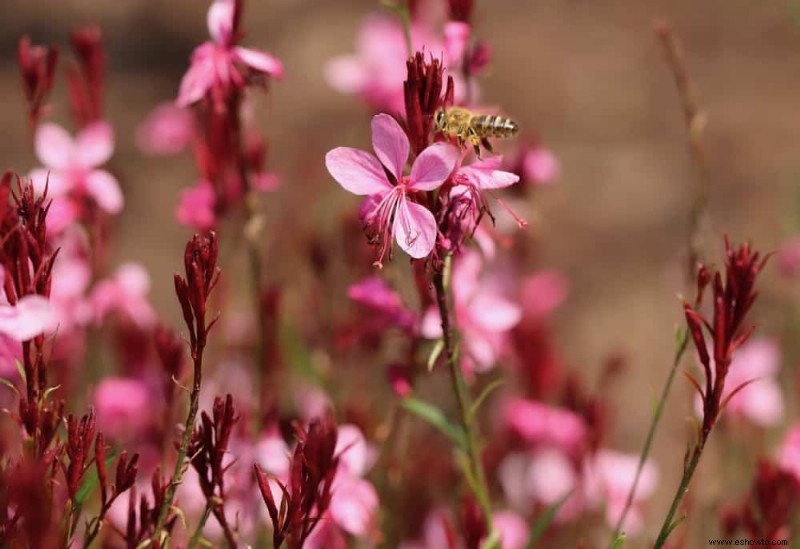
x=466 y=125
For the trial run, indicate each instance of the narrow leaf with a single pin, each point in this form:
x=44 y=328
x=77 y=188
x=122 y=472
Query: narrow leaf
x=435 y=352
x=541 y=525
x=10 y=385
x=91 y=481
x=21 y=370
x=483 y=396
x=434 y=416
x=619 y=542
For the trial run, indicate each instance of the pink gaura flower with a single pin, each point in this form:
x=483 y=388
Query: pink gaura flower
x=354 y=505
x=392 y=212
x=543 y=477
x=124 y=406
x=125 y=293
x=540 y=424
x=538 y=165
x=609 y=477
x=514 y=530
x=30 y=316
x=70 y=165
x=756 y=364
x=196 y=207
x=483 y=315
x=167 y=130
x=378 y=68
x=375 y=294
x=215 y=65
x=542 y=293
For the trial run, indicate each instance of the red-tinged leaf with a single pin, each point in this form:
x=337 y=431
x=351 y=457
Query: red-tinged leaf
x=266 y=494
x=735 y=392
x=694 y=382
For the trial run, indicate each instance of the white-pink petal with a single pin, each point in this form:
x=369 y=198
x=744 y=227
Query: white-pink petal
x=199 y=78
x=414 y=229
x=390 y=143
x=94 y=145
x=260 y=61
x=220 y=21
x=357 y=171
x=105 y=190
x=494 y=313
x=31 y=316
x=433 y=166
x=56 y=183
x=354 y=504
x=54 y=146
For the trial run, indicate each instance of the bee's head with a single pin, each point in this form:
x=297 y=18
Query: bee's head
x=439 y=119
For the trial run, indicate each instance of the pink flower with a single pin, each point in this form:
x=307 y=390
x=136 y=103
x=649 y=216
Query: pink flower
x=542 y=477
x=483 y=316
x=70 y=165
x=378 y=68
x=540 y=166
x=540 y=424
x=609 y=478
x=789 y=452
x=514 y=531
x=394 y=213
x=71 y=278
x=124 y=407
x=30 y=316
x=168 y=129
x=125 y=293
x=214 y=65
x=375 y=294
x=542 y=293
x=196 y=208
x=788 y=257
x=756 y=363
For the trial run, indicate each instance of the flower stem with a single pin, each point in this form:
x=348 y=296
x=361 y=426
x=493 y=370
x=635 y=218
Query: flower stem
x=682 y=346
x=177 y=475
x=474 y=466
x=688 y=472
x=195 y=539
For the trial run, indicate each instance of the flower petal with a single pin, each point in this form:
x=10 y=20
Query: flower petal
x=414 y=229
x=54 y=146
x=494 y=313
x=95 y=144
x=433 y=166
x=390 y=143
x=199 y=78
x=260 y=61
x=104 y=188
x=220 y=21
x=357 y=171
x=30 y=317
x=55 y=182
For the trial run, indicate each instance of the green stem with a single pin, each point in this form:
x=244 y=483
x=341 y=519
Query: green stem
x=195 y=539
x=463 y=396
x=682 y=346
x=688 y=471
x=177 y=475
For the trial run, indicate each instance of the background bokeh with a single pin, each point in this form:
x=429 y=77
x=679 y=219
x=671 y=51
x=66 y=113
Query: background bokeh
x=587 y=78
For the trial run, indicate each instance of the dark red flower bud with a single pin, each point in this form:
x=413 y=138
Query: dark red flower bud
x=37 y=64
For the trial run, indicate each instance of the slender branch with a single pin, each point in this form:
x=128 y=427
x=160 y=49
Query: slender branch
x=688 y=471
x=474 y=465
x=177 y=475
x=695 y=123
x=198 y=532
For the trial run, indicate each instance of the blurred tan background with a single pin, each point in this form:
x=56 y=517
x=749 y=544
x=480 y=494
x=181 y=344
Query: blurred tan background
x=587 y=77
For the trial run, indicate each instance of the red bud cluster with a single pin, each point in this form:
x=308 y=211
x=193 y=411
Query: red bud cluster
x=423 y=96
x=85 y=79
x=37 y=64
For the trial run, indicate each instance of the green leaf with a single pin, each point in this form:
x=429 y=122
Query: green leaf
x=9 y=384
x=91 y=482
x=674 y=525
x=435 y=352
x=492 y=541
x=434 y=416
x=483 y=396
x=619 y=542
x=540 y=526
x=50 y=391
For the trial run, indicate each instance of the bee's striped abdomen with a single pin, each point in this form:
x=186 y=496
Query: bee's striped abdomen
x=494 y=126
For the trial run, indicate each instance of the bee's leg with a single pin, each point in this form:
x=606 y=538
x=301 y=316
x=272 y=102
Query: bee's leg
x=486 y=144
x=476 y=142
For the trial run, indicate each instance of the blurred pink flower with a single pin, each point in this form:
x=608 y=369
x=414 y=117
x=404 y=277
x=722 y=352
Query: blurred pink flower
x=375 y=294
x=377 y=70
x=788 y=456
x=125 y=293
x=124 y=406
x=196 y=207
x=542 y=477
x=609 y=477
x=394 y=214
x=70 y=165
x=167 y=129
x=71 y=278
x=483 y=316
x=456 y=40
x=30 y=316
x=354 y=505
x=542 y=293
x=539 y=165
x=213 y=68
x=788 y=257
x=540 y=424
x=761 y=401
x=514 y=530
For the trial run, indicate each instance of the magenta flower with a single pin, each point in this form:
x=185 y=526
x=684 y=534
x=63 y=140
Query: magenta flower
x=125 y=293
x=121 y=404
x=392 y=211
x=755 y=366
x=70 y=165
x=168 y=129
x=196 y=207
x=540 y=424
x=375 y=294
x=483 y=316
x=215 y=64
